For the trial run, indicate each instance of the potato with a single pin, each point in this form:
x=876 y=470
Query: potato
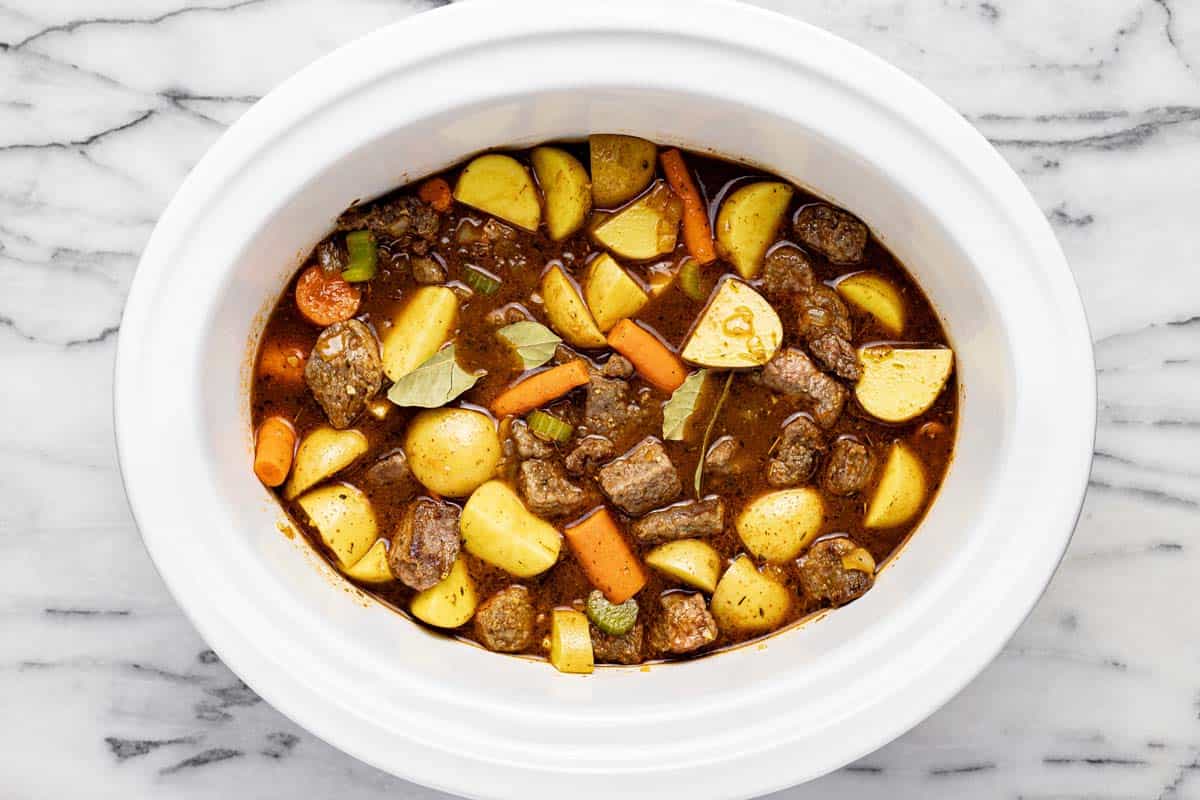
x=689 y=561
x=746 y=601
x=450 y=603
x=621 y=167
x=778 y=525
x=748 y=223
x=646 y=228
x=901 y=490
x=567 y=189
x=738 y=328
x=322 y=454
x=876 y=295
x=501 y=186
x=452 y=451
x=610 y=292
x=570 y=642
x=567 y=312
x=898 y=384
x=498 y=529
x=373 y=567
x=344 y=518
x=424 y=324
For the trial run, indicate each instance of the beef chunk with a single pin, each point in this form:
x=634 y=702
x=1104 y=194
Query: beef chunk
x=836 y=234
x=588 y=454
x=391 y=474
x=848 y=468
x=624 y=649
x=821 y=311
x=641 y=480
x=834 y=571
x=504 y=622
x=793 y=373
x=344 y=371
x=693 y=519
x=407 y=220
x=525 y=444
x=610 y=406
x=721 y=460
x=427 y=270
x=837 y=355
x=683 y=625
x=787 y=270
x=425 y=544
x=617 y=366
x=546 y=489
x=800 y=446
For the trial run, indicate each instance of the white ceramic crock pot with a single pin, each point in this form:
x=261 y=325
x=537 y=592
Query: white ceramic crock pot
x=420 y=95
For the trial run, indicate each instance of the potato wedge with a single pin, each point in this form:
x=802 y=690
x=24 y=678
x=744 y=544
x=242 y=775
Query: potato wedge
x=450 y=603
x=747 y=601
x=344 y=519
x=898 y=384
x=778 y=525
x=621 y=167
x=497 y=528
x=566 y=187
x=646 y=228
x=567 y=312
x=501 y=186
x=452 y=451
x=570 y=642
x=901 y=490
x=323 y=453
x=689 y=561
x=425 y=323
x=738 y=328
x=748 y=223
x=877 y=296
x=373 y=567
x=610 y=292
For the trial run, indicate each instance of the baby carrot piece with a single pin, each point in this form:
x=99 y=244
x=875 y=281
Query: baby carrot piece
x=541 y=388
x=282 y=361
x=697 y=234
x=273 y=450
x=605 y=557
x=658 y=365
x=324 y=298
x=436 y=192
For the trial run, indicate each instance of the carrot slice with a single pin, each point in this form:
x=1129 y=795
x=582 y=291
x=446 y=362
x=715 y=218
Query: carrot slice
x=697 y=234
x=324 y=298
x=605 y=556
x=436 y=192
x=657 y=364
x=282 y=361
x=273 y=450
x=541 y=388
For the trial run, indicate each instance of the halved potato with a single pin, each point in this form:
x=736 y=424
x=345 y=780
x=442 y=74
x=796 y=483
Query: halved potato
x=567 y=189
x=610 y=292
x=778 y=525
x=323 y=453
x=501 y=186
x=646 y=228
x=901 y=490
x=424 y=324
x=570 y=641
x=748 y=223
x=497 y=528
x=876 y=295
x=738 y=328
x=621 y=167
x=451 y=602
x=897 y=383
x=747 y=601
x=344 y=518
x=373 y=567
x=567 y=312
x=689 y=561
x=452 y=451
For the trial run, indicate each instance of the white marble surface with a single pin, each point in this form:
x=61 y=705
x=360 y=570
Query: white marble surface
x=107 y=691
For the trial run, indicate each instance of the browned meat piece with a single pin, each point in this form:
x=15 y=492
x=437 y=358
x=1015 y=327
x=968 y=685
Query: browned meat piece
x=426 y=269
x=821 y=312
x=425 y=544
x=525 y=444
x=836 y=234
x=331 y=256
x=793 y=373
x=624 y=649
x=683 y=625
x=546 y=489
x=410 y=222
x=837 y=355
x=721 y=460
x=834 y=571
x=588 y=454
x=392 y=474
x=344 y=371
x=787 y=270
x=800 y=446
x=693 y=519
x=617 y=366
x=610 y=406
x=848 y=468
x=641 y=480
x=504 y=622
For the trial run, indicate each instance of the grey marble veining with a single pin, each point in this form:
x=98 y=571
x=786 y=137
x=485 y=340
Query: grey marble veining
x=107 y=691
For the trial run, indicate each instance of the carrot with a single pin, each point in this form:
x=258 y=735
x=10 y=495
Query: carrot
x=541 y=388
x=273 y=450
x=697 y=235
x=282 y=361
x=436 y=192
x=324 y=298
x=605 y=557
x=658 y=365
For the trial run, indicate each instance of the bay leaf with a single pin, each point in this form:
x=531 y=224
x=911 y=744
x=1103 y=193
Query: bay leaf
x=679 y=409
x=708 y=433
x=534 y=342
x=437 y=381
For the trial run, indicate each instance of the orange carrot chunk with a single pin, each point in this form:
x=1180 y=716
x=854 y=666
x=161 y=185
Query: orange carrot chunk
x=541 y=388
x=697 y=234
x=605 y=556
x=324 y=298
x=282 y=361
x=652 y=359
x=436 y=192
x=273 y=450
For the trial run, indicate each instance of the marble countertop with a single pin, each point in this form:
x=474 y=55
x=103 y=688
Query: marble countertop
x=107 y=691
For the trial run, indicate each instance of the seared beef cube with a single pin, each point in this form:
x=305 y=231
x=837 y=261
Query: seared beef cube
x=821 y=311
x=610 y=406
x=800 y=446
x=721 y=460
x=525 y=444
x=693 y=519
x=683 y=625
x=787 y=270
x=848 y=468
x=425 y=544
x=624 y=649
x=546 y=490
x=407 y=220
x=391 y=474
x=641 y=480
x=343 y=371
x=617 y=366
x=839 y=236
x=588 y=454
x=837 y=355
x=793 y=373
x=427 y=270
x=504 y=622
x=836 y=571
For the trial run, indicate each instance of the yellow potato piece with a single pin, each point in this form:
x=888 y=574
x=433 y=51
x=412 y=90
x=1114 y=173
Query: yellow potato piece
x=570 y=642
x=567 y=189
x=344 y=519
x=748 y=223
x=426 y=322
x=647 y=228
x=497 y=528
x=567 y=312
x=621 y=167
x=738 y=328
x=780 y=524
x=689 y=561
x=901 y=490
x=898 y=384
x=610 y=292
x=501 y=186
x=747 y=601
x=323 y=453
x=450 y=603
x=877 y=296
x=452 y=451
x=373 y=567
